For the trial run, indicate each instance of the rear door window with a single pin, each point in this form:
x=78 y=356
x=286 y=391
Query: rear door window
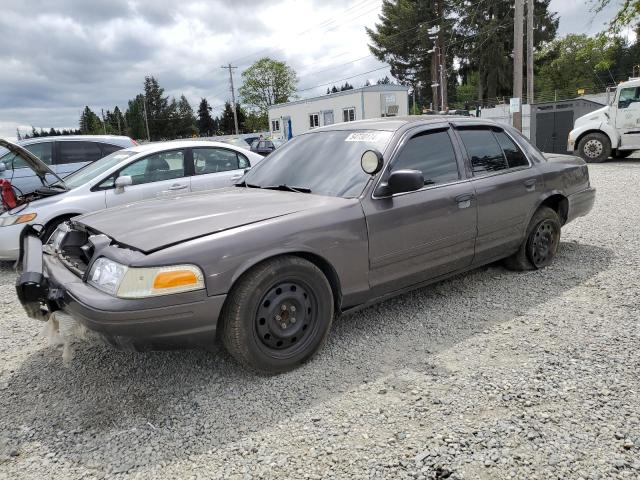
x=78 y=152
x=484 y=151
x=216 y=160
x=515 y=157
x=108 y=149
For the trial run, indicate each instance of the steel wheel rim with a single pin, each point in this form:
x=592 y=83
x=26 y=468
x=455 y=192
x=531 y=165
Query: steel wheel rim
x=593 y=148
x=544 y=243
x=286 y=318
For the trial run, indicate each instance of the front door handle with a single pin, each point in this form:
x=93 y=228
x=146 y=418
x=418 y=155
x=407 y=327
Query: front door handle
x=236 y=177
x=464 y=200
x=530 y=184
x=177 y=187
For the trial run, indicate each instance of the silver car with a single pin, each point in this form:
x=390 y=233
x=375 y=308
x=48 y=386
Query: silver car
x=64 y=155
x=125 y=176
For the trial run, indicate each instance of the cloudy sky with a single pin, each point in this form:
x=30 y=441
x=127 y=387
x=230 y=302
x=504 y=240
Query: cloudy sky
x=58 y=56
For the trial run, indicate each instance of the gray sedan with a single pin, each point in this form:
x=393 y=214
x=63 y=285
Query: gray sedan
x=335 y=220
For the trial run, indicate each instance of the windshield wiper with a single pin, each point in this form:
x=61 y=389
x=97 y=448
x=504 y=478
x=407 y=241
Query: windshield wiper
x=288 y=188
x=245 y=184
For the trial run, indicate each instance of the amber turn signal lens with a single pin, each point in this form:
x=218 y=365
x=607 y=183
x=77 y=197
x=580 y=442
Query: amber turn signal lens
x=178 y=278
x=26 y=218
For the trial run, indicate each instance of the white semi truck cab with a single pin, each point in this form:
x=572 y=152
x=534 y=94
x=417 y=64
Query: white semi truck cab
x=613 y=130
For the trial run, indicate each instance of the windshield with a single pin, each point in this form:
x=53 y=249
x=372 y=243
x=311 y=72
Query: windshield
x=326 y=162
x=96 y=168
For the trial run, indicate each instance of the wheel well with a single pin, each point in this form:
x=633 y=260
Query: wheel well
x=60 y=218
x=329 y=272
x=559 y=204
x=326 y=268
x=592 y=131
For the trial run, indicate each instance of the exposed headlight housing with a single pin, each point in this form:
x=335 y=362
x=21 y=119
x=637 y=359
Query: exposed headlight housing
x=56 y=239
x=17 y=219
x=132 y=282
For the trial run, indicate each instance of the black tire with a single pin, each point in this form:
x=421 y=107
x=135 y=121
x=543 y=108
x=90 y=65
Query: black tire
x=594 y=148
x=278 y=315
x=622 y=153
x=540 y=244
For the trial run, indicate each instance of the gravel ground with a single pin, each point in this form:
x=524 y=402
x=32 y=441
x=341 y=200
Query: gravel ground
x=493 y=374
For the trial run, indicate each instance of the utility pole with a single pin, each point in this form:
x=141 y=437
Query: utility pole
x=233 y=95
x=146 y=120
x=517 y=61
x=530 y=92
x=104 y=123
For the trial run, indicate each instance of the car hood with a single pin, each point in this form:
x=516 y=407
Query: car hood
x=155 y=224
x=38 y=166
x=599 y=115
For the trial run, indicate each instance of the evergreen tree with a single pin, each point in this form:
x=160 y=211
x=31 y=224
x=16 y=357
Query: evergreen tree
x=18 y=136
x=227 y=124
x=206 y=125
x=160 y=111
x=134 y=118
x=186 y=119
x=90 y=123
x=334 y=89
x=485 y=42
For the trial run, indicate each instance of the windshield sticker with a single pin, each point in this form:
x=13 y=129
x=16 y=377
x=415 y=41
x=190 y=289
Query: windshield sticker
x=371 y=137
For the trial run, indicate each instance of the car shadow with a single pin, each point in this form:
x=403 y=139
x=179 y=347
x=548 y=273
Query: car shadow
x=189 y=402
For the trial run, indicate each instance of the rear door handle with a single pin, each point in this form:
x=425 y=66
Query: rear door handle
x=237 y=177
x=177 y=187
x=530 y=184
x=464 y=200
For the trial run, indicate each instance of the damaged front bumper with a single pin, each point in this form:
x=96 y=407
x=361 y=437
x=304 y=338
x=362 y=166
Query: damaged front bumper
x=46 y=285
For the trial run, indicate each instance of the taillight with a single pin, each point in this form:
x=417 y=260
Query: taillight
x=134 y=142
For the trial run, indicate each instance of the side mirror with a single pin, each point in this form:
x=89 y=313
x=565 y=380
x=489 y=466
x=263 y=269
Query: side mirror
x=3 y=167
x=371 y=162
x=123 y=181
x=401 y=181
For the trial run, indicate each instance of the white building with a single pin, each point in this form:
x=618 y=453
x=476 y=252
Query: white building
x=287 y=120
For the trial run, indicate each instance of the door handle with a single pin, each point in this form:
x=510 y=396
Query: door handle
x=464 y=200
x=530 y=184
x=237 y=177
x=177 y=187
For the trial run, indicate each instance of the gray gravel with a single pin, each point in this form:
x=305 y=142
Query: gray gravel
x=492 y=374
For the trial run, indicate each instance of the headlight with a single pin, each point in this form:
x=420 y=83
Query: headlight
x=131 y=282
x=17 y=219
x=106 y=275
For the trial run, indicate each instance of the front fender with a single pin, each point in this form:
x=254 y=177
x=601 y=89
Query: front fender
x=577 y=133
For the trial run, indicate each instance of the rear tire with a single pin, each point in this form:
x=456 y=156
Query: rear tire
x=594 y=148
x=622 y=153
x=540 y=244
x=278 y=315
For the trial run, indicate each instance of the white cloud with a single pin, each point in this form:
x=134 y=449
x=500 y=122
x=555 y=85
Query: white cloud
x=58 y=56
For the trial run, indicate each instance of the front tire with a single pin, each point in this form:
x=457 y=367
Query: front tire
x=278 y=315
x=540 y=244
x=594 y=148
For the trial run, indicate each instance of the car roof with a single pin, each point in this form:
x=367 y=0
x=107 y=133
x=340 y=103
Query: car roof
x=393 y=124
x=176 y=144
x=118 y=139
